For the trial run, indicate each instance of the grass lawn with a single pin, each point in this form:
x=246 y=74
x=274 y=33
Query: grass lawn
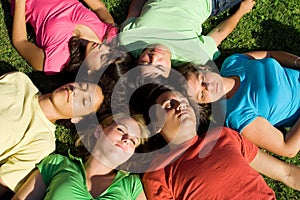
x=272 y=25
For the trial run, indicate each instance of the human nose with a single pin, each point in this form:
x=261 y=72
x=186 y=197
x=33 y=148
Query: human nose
x=181 y=106
x=152 y=58
x=208 y=86
x=125 y=139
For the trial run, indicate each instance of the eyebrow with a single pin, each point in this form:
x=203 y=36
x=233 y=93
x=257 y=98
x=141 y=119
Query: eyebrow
x=123 y=125
x=133 y=136
x=164 y=101
x=180 y=98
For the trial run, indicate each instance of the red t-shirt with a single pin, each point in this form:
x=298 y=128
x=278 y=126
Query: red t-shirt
x=213 y=167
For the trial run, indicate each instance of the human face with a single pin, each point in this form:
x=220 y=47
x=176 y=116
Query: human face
x=179 y=117
x=116 y=143
x=97 y=55
x=77 y=99
x=205 y=86
x=157 y=55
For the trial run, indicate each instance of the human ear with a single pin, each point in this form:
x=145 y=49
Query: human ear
x=158 y=117
x=75 y=120
x=157 y=129
x=90 y=72
x=97 y=131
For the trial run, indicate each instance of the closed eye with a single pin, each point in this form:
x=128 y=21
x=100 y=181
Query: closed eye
x=121 y=130
x=83 y=86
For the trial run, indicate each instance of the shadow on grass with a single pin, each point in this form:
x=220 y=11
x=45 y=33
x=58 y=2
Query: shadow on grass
x=277 y=36
x=8 y=19
x=273 y=35
x=6 y=67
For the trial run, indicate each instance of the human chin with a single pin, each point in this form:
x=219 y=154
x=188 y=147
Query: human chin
x=113 y=158
x=109 y=154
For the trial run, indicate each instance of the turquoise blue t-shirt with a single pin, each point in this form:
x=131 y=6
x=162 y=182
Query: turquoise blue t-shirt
x=175 y=24
x=266 y=89
x=65 y=179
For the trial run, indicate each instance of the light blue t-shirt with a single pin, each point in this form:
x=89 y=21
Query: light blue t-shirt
x=175 y=24
x=266 y=89
x=65 y=179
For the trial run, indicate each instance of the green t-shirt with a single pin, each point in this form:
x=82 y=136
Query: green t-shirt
x=65 y=179
x=175 y=24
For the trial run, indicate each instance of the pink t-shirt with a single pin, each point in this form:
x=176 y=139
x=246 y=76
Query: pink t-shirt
x=216 y=167
x=54 y=22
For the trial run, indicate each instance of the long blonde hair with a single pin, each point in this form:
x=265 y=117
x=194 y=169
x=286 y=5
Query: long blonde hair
x=86 y=141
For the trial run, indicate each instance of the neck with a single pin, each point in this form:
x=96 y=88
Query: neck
x=179 y=140
x=48 y=108
x=93 y=167
x=231 y=85
x=98 y=176
x=86 y=33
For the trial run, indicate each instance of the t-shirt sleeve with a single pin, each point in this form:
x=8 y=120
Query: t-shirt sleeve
x=250 y=149
x=238 y=119
x=49 y=165
x=154 y=187
x=247 y=148
x=136 y=186
x=210 y=46
x=232 y=65
x=126 y=25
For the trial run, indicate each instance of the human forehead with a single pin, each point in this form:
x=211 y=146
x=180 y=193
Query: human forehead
x=81 y=84
x=168 y=95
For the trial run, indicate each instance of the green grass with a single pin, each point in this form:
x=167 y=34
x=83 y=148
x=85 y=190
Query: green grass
x=272 y=25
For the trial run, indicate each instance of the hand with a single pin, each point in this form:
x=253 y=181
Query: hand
x=111 y=33
x=246 y=6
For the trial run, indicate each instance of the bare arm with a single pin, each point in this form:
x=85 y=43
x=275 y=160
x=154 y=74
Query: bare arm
x=265 y=135
x=142 y=196
x=284 y=58
x=276 y=169
x=222 y=30
x=29 y=51
x=33 y=188
x=135 y=8
x=100 y=9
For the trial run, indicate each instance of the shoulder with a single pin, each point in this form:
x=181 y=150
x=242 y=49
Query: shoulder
x=15 y=76
x=234 y=65
x=55 y=159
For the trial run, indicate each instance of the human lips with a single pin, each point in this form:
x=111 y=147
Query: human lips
x=95 y=45
x=68 y=89
x=182 y=113
x=216 y=89
x=121 y=147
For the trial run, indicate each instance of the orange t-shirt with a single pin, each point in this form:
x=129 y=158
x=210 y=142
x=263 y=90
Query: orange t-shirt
x=213 y=167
